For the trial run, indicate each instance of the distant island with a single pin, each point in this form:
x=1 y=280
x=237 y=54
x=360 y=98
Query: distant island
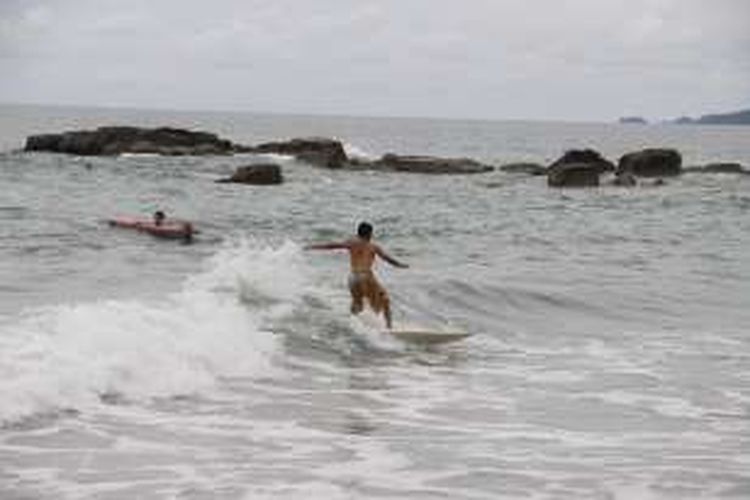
x=733 y=118
x=633 y=119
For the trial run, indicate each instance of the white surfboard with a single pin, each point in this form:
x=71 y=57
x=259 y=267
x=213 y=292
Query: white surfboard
x=428 y=336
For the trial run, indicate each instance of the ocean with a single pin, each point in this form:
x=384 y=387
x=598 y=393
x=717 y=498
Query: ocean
x=610 y=355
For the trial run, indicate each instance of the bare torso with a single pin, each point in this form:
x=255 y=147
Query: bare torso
x=361 y=255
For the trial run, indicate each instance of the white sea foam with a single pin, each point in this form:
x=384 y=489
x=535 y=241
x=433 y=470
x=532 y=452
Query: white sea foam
x=358 y=153
x=254 y=273
x=275 y=157
x=68 y=356
x=138 y=155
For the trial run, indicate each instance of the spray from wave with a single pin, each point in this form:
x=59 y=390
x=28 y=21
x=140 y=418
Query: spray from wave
x=358 y=153
x=216 y=326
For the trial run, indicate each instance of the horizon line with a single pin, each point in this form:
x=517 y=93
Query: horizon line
x=117 y=107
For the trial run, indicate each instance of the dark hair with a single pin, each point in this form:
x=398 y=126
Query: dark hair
x=364 y=230
x=159 y=214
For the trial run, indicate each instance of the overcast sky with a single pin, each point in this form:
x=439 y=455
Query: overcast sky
x=512 y=59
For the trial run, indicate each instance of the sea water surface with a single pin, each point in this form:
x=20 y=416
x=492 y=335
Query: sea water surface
x=610 y=356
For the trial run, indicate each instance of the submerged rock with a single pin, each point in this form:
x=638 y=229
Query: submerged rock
x=258 y=174
x=723 y=168
x=430 y=165
x=652 y=162
x=524 y=168
x=108 y=141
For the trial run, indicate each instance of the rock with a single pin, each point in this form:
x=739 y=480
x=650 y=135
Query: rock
x=430 y=165
x=360 y=164
x=723 y=168
x=573 y=175
x=321 y=152
x=43 y=142
x=587 y=156
x=578 y=168
x=258 y=174
x=117 y=140
x=655 y=162
x=524 y=168
x=717 y=168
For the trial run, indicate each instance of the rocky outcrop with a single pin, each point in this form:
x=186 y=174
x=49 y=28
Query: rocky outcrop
x=258 y=174
x=107 y=141
x=330 y=153
x=321 y=152
x=429 y=165
x=578 y=168
x=524 y=168
x=655 y=162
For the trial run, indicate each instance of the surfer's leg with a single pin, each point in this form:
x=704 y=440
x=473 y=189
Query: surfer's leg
x=356 y=306
x=380 y=302
x=387 y=314
x=355 y=288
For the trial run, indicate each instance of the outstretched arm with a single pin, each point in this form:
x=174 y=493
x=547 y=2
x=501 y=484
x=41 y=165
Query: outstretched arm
x=328 y=246
x=389 y=259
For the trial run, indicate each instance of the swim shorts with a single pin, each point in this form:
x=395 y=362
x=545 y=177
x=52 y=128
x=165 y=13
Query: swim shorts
x=363 y=285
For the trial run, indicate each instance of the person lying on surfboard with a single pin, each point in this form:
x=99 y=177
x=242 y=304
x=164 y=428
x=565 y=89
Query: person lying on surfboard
x=159 y=217
x=362 y=282
x=157 y=225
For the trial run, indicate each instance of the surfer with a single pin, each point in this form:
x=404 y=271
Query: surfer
x=362 y=282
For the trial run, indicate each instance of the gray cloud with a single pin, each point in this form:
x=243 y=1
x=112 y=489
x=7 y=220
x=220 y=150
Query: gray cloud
x=544 y=59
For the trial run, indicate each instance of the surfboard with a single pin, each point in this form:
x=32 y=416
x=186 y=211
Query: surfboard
x=427 y=336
